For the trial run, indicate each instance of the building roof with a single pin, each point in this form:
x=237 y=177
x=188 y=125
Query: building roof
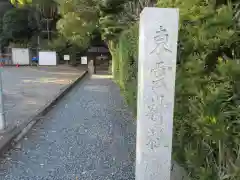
x=98 y=49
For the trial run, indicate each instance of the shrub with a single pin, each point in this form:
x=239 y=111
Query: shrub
x=206 y=138
x=206 y=125
x=206 y=122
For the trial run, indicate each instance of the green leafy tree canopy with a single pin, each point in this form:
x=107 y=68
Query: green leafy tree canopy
x=20 y=3
x=18 y=25
x=79 y=20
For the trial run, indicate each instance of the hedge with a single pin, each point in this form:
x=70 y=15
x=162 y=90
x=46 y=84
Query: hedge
x=125 y=53
x=206 y=140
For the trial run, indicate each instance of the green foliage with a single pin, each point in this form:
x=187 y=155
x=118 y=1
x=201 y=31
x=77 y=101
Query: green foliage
x=124 y=55
x=20 y=3
x=58 y=44
x=3 y=40
x=111 y=20
x=206 y=127
x=73 y=28
x=206 y=124
x=79 y=20
x=18 y=25
x=111 y=6
x=204 y=29
x=110 y=27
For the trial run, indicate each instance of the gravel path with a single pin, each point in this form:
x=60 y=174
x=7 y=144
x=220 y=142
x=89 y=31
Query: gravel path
x=89 y=135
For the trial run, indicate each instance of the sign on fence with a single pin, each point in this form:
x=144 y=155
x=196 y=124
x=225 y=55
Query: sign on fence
x=84 y=60
x=66 y=57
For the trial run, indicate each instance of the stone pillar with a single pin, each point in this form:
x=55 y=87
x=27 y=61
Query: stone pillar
x=91 y=67
x=156 y=89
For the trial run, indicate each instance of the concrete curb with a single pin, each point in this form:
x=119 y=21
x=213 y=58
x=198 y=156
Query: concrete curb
x=17 y=133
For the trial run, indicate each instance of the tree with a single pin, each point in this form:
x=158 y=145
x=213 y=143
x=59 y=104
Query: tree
x=118 y=15
x=18 y=25
x=111 y=22
x=20 y=3
x=3 y=39
x=79 y=20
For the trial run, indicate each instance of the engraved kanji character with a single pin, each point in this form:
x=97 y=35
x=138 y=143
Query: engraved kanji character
x=161 y=40
x=154 y=138
x=158 y=83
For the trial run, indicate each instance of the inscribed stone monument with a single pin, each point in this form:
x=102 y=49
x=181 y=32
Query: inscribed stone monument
x=156 y=88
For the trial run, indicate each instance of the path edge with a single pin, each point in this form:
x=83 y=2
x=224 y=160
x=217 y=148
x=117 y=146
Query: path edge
x=14 y=135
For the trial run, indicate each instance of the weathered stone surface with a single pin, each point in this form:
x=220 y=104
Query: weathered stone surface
x=156 y=88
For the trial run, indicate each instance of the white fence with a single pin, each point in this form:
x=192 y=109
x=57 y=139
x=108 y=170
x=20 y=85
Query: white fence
x=47 y=58
x=20 y=56
x=23 y=56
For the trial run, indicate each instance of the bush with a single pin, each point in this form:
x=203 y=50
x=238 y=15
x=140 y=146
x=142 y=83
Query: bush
x=206 y=122
x=206 y=125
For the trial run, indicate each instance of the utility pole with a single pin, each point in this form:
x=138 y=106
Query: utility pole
x=38 y=47
x=48 y=29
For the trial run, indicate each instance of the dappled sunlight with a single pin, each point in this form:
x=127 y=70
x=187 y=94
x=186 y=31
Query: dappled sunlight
x=96 y=76
x=64 y=73
x=57 y=71
x=48 y=80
